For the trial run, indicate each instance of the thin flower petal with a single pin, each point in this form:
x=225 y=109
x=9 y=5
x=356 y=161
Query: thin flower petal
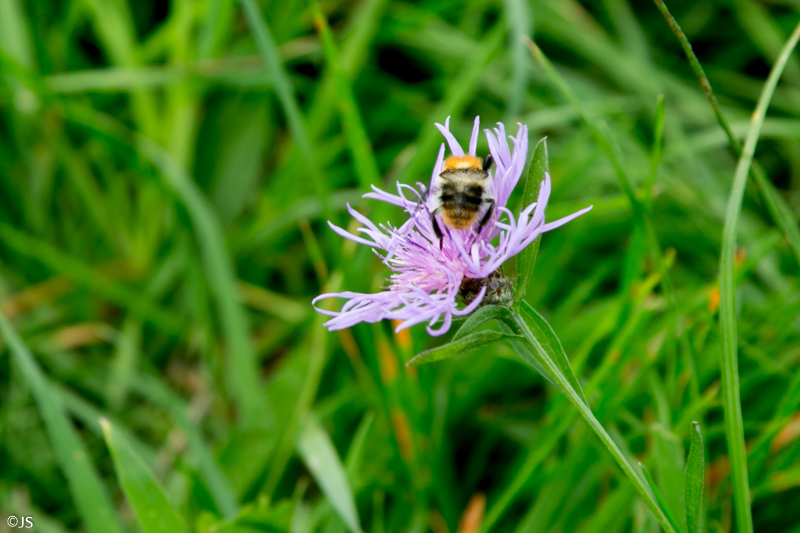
x=473 y=140
x=455 y=148
x=561 y=221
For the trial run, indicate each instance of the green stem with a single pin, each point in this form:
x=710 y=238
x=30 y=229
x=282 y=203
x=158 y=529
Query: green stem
x=516 y=322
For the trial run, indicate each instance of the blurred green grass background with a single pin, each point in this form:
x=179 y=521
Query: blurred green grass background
x=166 y=173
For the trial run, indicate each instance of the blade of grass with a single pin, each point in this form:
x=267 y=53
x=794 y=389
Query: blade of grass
x=283 y=87
x=518 y=21
x=731 y=403
x=242 y=358
x=354 y=131
x=215 y=27
x=113 y=23
x=153 y=511
x=776 y=205
x=319 y=455
x=659 y=497
x=695 y=472
x=85 y=485
x=655 y=155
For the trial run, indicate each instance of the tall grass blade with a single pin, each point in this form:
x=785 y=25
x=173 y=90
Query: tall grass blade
x=518 y=21
x=695 y=474
x=88 y=492
x=659 y=497
x=734 y=429
x=357 y=139
x=242 y=359
x=283 y=87
x=779 y=210
x=319 y=455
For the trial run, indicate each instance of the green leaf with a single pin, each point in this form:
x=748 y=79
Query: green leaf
x=87 y=489
x=527 y=258
x=659 y=497
x=478 y=318
x=467 y=344
x=149 y=503
x=695 y=472
x=320 y=457
x=544 y=333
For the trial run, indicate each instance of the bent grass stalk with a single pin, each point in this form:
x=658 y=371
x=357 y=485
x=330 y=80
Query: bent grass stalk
x=777 y=207
x=734 y=428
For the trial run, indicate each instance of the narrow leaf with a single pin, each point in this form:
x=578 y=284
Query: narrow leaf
x=149 y=503
x=544 y=333
x=659 y=497
x=478 y=318
x=527 y=258
x=320 y=457
x=695 y=471
x=467 y=344
x=91 y=499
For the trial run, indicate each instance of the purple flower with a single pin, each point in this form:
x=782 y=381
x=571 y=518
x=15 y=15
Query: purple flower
x=427 y=275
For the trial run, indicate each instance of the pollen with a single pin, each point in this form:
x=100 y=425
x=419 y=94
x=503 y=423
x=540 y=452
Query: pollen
x=456 y=162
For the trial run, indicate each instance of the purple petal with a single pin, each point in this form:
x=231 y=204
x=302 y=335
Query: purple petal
x=437 y=168
x=561 y=221
x=349 y=236
x=455 y=148
x=473 y=140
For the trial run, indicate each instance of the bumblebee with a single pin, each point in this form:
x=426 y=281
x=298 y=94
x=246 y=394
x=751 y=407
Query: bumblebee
x=462 y=192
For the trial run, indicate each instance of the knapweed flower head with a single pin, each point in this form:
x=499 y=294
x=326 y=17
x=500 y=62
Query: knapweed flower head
x=435 y=279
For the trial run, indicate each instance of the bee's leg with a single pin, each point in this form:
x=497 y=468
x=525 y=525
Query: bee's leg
x=487 y=216
x=436 y=229
x=488 y=162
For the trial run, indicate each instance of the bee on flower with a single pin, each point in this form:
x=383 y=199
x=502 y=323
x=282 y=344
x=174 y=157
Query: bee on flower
x=446 y=259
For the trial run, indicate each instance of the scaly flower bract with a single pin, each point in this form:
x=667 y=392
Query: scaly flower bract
x=427 y=274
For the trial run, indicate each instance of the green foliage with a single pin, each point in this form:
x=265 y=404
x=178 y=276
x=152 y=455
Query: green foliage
x=166 y=178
